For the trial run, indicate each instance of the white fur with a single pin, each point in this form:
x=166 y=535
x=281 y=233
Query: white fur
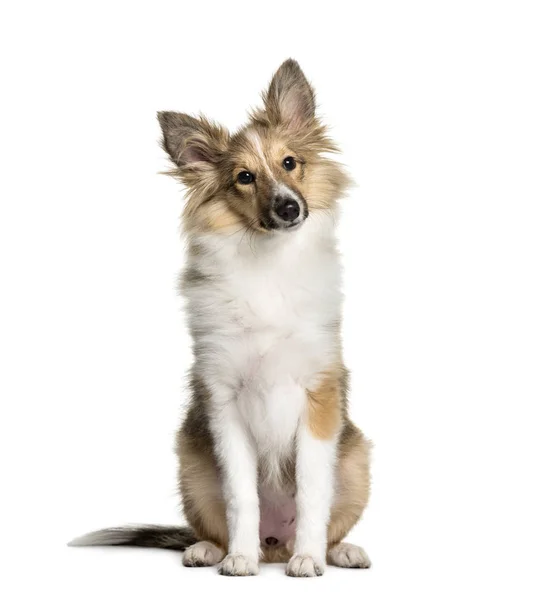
x=315 y=483
x=284 y=190
x=255 y=139
x=239 y=464
x=264 y=327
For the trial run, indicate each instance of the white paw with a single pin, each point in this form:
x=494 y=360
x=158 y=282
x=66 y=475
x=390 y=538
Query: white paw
x=348 y=556
x=239 y=565
x=304 y=565
x=202 y=554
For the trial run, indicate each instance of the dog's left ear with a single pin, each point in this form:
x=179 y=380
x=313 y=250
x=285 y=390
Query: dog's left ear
x=289 y=100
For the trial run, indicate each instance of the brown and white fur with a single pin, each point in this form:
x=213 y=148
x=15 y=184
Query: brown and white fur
x=271 y=467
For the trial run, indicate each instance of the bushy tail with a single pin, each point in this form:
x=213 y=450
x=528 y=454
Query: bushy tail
x=148 y=536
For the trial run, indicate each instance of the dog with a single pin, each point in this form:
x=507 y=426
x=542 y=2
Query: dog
x=271 y=466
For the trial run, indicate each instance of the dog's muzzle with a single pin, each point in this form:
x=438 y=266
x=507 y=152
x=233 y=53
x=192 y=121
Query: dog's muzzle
x=286 y=211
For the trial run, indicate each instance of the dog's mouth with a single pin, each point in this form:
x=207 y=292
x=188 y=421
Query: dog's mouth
x=269 y=225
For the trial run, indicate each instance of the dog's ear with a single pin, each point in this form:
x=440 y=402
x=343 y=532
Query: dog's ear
x=194 y=145
x=289 y=100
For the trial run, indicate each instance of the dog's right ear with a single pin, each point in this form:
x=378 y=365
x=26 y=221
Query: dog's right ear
x=194 y=145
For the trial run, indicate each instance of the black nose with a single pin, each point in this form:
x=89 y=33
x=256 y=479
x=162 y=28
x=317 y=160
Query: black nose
x=288 y=210
x=271 y=541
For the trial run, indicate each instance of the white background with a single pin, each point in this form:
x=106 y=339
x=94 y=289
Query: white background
x=441 y=109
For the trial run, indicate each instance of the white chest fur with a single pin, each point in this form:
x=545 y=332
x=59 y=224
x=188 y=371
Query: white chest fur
x=264 y=315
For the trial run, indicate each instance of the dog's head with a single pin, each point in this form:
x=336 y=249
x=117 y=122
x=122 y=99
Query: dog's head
x=267 y=176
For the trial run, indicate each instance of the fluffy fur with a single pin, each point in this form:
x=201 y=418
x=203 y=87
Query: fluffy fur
x=271 y=466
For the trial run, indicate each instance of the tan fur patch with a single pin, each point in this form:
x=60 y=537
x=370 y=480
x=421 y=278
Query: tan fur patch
x=353 y=483
x=215 y=216
x=275 y=555
x=324 y=405
x=324 y=184
x=200 y=488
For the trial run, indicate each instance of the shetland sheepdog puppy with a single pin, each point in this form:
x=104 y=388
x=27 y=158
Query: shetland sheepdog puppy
x=271 y=467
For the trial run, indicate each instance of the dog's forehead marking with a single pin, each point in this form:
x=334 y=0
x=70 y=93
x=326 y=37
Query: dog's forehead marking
x=257 y=143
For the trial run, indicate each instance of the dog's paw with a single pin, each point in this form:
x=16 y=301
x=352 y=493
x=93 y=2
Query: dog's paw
x=202 y=554
x=304 y=565
x=348 y=556
x=238 y=565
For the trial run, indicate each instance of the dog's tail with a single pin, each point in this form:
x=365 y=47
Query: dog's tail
x=147 y=536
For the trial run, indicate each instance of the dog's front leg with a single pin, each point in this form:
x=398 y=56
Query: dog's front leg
x=238 y=461
x=317 y=440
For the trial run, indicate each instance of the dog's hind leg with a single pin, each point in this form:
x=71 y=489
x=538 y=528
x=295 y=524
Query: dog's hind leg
x=351 y=497
x=203 y=505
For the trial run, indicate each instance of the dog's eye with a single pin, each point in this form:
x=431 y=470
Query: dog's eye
x=289 y=163
x=245 y=177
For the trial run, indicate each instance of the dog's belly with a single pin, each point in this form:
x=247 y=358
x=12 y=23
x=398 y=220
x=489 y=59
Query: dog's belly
x=278 y=516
